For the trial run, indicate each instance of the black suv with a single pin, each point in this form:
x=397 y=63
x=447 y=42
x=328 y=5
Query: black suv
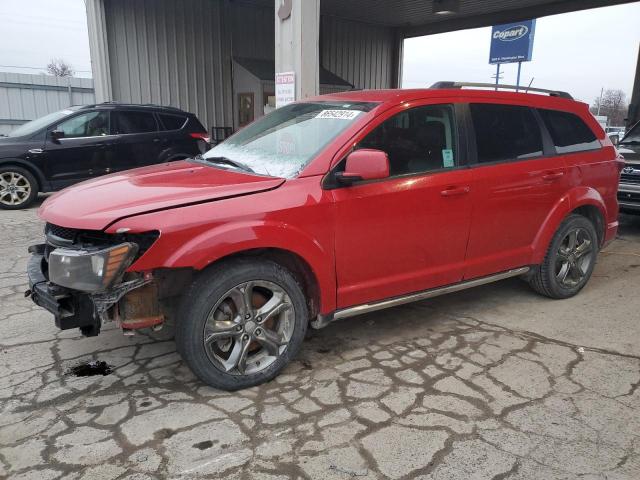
x=83 y=142
x=629 y=190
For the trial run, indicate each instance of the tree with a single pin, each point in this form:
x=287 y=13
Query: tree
x=614 y=105
x=59 y=68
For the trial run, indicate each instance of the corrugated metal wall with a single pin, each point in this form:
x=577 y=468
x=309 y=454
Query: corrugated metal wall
x=179 y=53
x=253 y=31
x=26 y=97
x=172 y=53
x=360 y=53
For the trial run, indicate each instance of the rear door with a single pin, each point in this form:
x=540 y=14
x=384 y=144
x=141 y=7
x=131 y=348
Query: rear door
x=86 y=150
x=518 y=180
x=139 y=138
x=408 y=232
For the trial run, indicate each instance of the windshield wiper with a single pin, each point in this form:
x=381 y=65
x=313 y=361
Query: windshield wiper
x=630 y=142
x=225 y=161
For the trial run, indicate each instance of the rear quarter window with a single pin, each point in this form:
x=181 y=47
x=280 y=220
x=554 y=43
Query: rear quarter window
x=172 y=122
x=569 y=132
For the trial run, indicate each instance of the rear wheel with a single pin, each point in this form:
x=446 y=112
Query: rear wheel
x=241 y=323
x=570 y=259
x=18 y=188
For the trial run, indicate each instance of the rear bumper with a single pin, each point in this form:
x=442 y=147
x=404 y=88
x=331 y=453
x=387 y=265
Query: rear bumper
x=70 y=309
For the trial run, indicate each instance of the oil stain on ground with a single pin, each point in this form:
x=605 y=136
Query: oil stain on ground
x=90 y=369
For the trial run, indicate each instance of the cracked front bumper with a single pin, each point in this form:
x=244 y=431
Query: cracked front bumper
x=71 y=309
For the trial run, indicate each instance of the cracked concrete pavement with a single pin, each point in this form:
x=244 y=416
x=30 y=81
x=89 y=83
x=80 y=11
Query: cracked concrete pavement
x=495 y=382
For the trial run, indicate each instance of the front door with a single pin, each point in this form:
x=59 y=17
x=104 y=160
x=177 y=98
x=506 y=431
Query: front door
x=409 y=232
x=518 y=181
x=86 y=149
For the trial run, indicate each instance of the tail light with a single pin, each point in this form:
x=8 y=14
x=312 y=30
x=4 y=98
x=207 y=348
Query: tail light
x=201 y=136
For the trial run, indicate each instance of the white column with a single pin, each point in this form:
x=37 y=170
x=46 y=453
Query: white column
x=297 y=43
x=99 y=50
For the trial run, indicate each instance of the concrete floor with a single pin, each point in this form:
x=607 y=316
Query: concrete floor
x=495 y=382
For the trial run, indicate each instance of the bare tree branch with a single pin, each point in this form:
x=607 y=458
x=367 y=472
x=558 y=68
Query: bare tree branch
x=59 y=68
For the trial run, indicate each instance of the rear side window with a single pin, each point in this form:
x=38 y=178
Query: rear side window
x=172 y=122
x=505 y=132
x=133 y=122
x=569 y=132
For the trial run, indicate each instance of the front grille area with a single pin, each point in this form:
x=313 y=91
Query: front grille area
x=61 y=232
x=630 y=178
x=87 y=239
x=629 y=197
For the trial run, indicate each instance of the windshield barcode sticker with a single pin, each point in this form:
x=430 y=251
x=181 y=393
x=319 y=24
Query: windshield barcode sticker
x=338 y=114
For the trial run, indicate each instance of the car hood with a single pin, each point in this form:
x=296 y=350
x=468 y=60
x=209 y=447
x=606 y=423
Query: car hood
x=630 y=152
x=95 y=204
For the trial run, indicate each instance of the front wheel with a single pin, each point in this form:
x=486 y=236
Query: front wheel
x=241 y=323
x=18 y=188
x=570 y=259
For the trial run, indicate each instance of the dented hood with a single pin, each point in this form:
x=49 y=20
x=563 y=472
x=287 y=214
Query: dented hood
x=95 y=204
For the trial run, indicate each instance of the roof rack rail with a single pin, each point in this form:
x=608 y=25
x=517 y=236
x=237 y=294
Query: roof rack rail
x=553 y=93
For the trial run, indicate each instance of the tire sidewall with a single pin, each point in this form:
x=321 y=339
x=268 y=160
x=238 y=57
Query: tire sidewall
x=202 y=297
x=32 y=181
x=574 y=221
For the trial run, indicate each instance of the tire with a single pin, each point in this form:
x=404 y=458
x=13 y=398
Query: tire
x=18 y=188
x=569 y=261
x=216 y=303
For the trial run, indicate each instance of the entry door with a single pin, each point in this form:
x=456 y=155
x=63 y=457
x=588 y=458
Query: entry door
x=517 y=186
x=409 y=232
x=85 y=151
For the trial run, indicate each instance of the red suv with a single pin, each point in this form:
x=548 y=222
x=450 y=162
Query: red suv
x=328 y=208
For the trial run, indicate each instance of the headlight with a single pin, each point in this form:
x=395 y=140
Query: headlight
x=90 y=271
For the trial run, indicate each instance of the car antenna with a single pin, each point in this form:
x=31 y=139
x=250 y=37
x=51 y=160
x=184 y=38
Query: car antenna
x=529 y=86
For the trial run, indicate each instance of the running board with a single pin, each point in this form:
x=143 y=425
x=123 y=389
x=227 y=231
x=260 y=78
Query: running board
x=324 y=320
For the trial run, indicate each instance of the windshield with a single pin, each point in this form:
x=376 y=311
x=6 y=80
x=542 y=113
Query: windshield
x=633 y=135
x=282 y=143
x=33 y=126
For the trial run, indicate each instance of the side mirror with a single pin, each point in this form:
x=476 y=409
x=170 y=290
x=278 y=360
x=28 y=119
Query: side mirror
x=615 y=139
x=364 y=164
x=56 y=135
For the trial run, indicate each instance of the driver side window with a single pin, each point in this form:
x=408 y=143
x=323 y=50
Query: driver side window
x=90 y=124
x=418 y=140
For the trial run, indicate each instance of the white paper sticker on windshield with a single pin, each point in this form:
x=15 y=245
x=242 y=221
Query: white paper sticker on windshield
x=338 y=114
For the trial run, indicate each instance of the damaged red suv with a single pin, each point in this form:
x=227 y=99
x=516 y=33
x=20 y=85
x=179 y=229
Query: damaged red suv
x=328 y=208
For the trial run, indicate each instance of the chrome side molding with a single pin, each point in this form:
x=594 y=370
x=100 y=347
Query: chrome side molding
x=323 y=320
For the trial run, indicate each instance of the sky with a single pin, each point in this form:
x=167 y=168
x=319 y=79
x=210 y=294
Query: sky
x=579 y=52
x=32 y=32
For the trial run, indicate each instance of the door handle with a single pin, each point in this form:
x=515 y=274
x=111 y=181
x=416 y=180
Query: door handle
x=551 y=176
x=453 y=191
x=36 y=150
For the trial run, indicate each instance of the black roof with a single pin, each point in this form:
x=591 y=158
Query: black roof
x=265 y=71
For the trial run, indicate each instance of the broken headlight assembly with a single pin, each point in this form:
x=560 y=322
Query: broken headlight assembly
x=90 y=271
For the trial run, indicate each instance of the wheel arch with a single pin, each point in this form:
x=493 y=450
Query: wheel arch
x=293 y=262
x=585 y=201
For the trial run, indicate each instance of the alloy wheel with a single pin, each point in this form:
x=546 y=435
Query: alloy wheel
x=15 y=189
x=574 y=257
x=249 y=328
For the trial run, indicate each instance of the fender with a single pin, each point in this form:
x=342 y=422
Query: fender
x=575 y=198
x=231 y=238
x=42 y=183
